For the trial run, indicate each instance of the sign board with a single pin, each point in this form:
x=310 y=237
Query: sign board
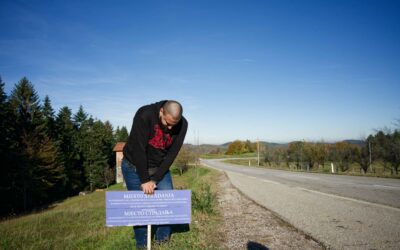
x=134 y=208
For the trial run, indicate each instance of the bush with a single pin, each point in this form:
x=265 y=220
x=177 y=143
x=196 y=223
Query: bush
x=204 y=199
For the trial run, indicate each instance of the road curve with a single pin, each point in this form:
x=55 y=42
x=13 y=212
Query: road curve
x=342 y=212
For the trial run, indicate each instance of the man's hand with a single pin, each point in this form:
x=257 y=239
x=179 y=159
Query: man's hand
x=148 y=187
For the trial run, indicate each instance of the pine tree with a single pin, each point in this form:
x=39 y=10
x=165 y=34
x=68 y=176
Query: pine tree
x=37 y=171
x=83 y=126
x=69 y=155
x=121 y=135
x=109 y=142
x=7 y=155
x=95 y=158
x=49 y=118
x=96 y=144
x=49 y=174
x=116 y=134
x=3 y=119
x=80 y=117
x=5 y=125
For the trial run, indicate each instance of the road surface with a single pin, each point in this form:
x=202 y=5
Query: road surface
x=342 y=212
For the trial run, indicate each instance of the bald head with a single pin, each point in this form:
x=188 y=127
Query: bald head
x=174 y=109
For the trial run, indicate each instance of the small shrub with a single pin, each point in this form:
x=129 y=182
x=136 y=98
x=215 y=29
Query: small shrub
x=203 y=200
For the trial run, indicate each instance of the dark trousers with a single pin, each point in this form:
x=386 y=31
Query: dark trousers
x=163 y=232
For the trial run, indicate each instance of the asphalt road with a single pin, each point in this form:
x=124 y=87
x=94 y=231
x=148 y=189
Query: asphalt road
x=342 y=212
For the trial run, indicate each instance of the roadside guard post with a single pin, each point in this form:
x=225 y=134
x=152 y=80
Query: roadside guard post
x=134 y=208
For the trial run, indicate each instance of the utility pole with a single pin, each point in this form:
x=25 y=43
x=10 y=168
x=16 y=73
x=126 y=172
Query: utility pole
x=195 y=148
x=301 y=155
x=258 y=152
x=198 y=155
x=370 y=156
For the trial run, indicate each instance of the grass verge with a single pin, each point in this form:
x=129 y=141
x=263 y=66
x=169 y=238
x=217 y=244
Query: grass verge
x=220 y=156
x=79 y=222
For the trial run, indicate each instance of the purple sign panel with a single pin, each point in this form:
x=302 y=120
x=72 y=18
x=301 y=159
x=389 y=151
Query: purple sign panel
x=134 y=208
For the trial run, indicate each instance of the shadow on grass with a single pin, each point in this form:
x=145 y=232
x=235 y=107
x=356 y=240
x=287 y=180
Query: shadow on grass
x=256 y=246
x=180 y=228
x=35 y=210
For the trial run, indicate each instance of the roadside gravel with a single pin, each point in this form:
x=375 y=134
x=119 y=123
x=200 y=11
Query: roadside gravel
x=246 y=225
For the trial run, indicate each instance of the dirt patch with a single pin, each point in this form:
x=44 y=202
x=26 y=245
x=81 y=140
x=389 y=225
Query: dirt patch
x=246 y=225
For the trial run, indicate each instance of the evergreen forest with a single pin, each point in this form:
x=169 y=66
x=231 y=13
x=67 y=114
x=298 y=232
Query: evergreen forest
x=48 y=155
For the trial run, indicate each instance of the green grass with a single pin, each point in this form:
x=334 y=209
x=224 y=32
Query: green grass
x=79 y=223
x=220 y=156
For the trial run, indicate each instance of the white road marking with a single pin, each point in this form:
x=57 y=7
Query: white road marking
x=388 y=187
x=268 y=181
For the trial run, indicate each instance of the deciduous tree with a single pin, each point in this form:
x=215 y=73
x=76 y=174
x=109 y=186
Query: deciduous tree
x=185 y=156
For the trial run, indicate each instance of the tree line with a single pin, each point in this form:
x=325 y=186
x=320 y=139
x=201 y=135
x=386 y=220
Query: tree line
x=381 y=149
x=239 y=147
x=46 y=156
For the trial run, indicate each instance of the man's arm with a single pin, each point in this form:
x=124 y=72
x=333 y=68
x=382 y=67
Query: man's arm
x=139 y=136
x=172 y=152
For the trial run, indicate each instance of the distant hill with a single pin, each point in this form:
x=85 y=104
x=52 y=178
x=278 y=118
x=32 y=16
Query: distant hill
x=274 y=145
x=206 y=148
x=355 y=142
x=226 y=144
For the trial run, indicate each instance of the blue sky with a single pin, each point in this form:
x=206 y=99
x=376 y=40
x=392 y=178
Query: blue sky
x=274 y=70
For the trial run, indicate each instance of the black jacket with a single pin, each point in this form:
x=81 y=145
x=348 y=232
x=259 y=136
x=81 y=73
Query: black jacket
x=150 y=149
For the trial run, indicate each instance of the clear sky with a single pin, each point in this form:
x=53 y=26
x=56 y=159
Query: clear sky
x=274 y=70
